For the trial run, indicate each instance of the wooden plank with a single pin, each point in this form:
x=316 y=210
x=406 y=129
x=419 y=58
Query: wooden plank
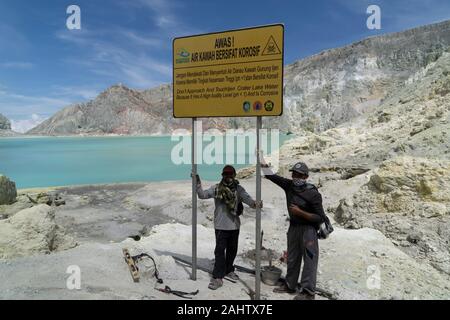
x=134 y=270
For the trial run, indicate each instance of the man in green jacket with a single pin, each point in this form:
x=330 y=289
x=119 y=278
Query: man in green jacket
x=228 y=197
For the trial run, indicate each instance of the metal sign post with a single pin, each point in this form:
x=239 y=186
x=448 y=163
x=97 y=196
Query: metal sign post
x=258 y=213
x=194 y=198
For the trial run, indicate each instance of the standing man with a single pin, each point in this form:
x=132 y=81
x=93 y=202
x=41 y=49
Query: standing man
x=228 y=197
x=304 y=204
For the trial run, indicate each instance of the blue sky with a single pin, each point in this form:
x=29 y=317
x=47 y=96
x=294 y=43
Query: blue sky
x=45 y=67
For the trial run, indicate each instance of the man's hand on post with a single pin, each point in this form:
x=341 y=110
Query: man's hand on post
x=197 y=177
x=262 y=160
x=258 y=204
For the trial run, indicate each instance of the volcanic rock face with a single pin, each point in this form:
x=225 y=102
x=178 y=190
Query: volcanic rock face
x=5 y=127
x=32 y=231
x=336 y=85
x=117 y=110
x=8 y=192
x=408 y=200
x=4 y=123
x=321 y=91
x=402 y=152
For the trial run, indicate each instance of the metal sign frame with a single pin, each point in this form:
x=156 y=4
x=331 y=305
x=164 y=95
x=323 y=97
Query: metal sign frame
x=258 y=163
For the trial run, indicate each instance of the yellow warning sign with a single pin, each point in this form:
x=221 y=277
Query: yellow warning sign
x=237 y=73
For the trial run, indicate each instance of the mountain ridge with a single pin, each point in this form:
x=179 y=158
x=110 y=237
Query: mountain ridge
x=321 y=91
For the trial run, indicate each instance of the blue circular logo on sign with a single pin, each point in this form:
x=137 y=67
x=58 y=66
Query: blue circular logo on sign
x=247 y=106
x=257 y=106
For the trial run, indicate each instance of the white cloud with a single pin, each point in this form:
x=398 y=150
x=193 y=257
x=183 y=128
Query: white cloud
x=165 y=21
x=138 y=39
x=125 y=61
x=137 y=68
x=11 y=40
x=17 y=65
x=138 y=58
x=76 y=93
x=19 y=106
x=23 y=126
x=167 y=16
x=164 y=16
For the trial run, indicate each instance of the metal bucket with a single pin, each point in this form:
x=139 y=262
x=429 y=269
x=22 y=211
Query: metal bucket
x=270 y=275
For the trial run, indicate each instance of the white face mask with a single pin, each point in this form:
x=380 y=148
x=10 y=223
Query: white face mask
x=298 y=182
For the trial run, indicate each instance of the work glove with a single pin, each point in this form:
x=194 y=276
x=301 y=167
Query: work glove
x=258 y=204
x=197 y=177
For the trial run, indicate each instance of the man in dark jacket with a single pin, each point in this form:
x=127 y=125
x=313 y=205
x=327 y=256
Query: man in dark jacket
x=228 y=197
x=304 y=204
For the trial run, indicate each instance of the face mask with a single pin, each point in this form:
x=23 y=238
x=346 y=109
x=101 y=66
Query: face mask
x=299 y=182
x=228 y=180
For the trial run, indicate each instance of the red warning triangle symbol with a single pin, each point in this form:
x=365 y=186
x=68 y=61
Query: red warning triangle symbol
x=271 y=48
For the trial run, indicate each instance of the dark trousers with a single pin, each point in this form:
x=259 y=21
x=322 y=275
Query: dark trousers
x=302 y=245
x=225 y=252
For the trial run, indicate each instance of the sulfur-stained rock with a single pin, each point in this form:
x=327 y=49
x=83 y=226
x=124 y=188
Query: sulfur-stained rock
x=407 y=199
x=32 y=231
x=8 y=192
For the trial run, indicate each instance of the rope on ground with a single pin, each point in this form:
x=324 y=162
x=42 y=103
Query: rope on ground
x=139 y=257
x=180 y=294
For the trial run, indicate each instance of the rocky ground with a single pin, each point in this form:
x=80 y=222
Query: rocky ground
x=96 y=222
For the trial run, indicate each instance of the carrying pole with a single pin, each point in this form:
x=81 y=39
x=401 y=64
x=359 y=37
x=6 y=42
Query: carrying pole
x=194 y=198
x=258 y=213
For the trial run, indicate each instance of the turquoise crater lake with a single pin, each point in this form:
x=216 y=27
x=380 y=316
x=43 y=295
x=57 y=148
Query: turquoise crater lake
x=62 y=161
